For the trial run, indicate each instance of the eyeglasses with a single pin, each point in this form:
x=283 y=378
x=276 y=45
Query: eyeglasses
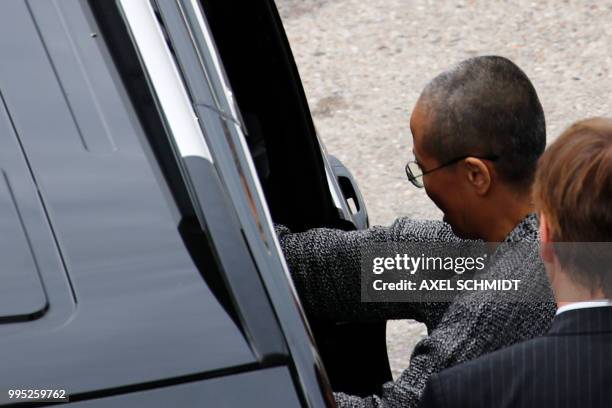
x=414 y=171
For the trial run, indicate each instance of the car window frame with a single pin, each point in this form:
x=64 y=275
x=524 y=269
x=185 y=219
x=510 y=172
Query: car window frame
x=244 y=190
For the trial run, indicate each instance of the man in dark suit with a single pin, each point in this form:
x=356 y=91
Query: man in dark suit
x=571 y=366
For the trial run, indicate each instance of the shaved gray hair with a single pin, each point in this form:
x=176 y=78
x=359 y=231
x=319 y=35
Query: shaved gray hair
x=486 y=106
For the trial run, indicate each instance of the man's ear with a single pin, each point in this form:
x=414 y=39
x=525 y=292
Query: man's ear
x=547 y=252
x=478 y=175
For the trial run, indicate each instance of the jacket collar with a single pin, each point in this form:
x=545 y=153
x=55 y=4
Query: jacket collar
x=525 y=231
x=582 y=321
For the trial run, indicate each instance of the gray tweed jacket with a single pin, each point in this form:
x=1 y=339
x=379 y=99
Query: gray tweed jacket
x=325 y=265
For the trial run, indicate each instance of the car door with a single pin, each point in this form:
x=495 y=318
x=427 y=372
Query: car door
x=303 y=188
x=132 y=261
x=240 y=221
x=116 y=302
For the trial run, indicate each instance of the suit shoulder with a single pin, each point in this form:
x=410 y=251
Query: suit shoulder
x=484 y=381
x=497 y=360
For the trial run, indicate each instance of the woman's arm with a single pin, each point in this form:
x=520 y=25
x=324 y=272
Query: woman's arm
x=326 y=268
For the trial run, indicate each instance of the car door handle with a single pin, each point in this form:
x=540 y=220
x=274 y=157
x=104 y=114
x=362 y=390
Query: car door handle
x=350 y=193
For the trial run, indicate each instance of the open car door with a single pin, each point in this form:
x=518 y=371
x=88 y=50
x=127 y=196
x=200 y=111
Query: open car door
x=303 y=188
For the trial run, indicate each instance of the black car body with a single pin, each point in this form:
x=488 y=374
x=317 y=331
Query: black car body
x=146 y=147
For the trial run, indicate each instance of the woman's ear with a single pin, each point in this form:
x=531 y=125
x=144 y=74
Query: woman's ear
x=478 y=175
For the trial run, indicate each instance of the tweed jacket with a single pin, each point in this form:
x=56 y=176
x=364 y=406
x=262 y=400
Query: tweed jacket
x=325 y=266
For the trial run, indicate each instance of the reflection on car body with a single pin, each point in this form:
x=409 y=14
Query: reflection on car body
x=141 y=171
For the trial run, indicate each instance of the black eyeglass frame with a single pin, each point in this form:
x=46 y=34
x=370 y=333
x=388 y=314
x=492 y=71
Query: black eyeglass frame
x=414 y=179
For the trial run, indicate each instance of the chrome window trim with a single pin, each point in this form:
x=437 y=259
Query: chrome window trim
x=250 y=170
x=227 y=91
x=165 y=78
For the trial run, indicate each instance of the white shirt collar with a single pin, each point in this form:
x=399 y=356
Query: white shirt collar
x=585 y=305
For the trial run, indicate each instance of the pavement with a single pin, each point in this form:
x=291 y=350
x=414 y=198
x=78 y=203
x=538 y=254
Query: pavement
x=364 y=63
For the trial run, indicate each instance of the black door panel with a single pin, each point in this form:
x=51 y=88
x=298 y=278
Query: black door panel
x=263 y=388
x=142 y=312
x=263 y=75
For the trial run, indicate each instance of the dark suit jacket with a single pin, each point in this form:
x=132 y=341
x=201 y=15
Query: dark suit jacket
x=571 y=366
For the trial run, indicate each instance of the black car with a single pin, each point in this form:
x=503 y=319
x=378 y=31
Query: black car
x=147 y=148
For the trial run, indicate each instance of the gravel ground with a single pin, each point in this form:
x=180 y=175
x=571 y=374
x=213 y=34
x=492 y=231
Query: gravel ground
x=363 y=65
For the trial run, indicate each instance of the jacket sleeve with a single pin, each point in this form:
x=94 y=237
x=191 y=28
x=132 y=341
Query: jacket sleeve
x=325 y=265
x=463 y=333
